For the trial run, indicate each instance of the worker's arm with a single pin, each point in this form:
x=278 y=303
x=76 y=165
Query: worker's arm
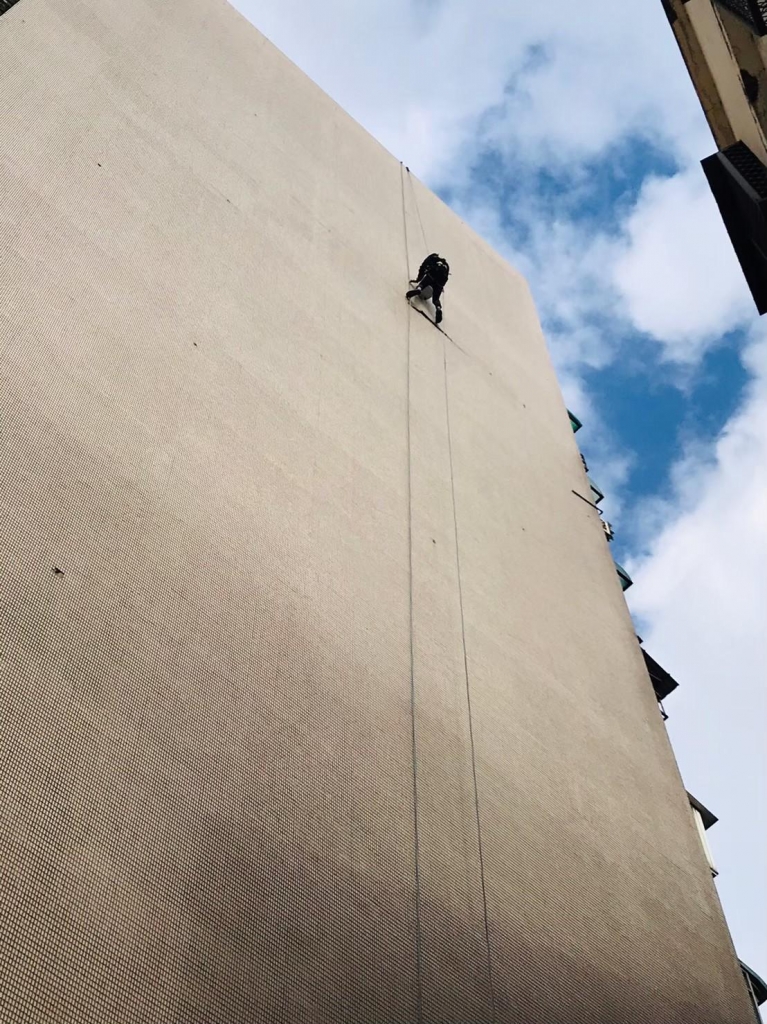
x=426 y=266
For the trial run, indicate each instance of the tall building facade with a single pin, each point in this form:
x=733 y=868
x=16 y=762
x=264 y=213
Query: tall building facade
x=724 y=45
x=321 y=700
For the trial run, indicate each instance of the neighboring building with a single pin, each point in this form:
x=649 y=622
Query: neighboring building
x=320 y=698
x=724 y=44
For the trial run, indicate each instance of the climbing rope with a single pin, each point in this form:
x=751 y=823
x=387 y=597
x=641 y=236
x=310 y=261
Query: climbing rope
x=480 y=847
x=414 y=737
x=417 y=210
x=490 y=977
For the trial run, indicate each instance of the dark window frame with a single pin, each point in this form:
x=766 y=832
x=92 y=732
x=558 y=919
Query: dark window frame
x=757 y=988
x=623 y=576
x=704 y=819
x=738 y=181
x=596 y=493
x=663 y=683
x=752 y=12
x=6 y=5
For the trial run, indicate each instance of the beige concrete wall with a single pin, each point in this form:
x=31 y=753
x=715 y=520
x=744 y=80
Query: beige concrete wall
x=716 y=45
x=750 y=53
x=308 y=545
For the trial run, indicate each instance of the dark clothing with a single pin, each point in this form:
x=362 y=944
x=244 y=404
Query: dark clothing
x=432 y=278
x=427 y=288
x=436 y=268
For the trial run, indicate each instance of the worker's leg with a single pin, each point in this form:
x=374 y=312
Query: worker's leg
x=423 y=290
x=438 y=307
x=415 y=290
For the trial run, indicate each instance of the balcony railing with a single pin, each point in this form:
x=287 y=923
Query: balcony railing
x=753 y=12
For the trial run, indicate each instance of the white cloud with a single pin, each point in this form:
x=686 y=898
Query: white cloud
x=678 y=274
x=700 y=595
x=565 y=266
x=419 y=76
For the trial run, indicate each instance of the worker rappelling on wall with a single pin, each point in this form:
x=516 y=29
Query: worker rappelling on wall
x=431 y=281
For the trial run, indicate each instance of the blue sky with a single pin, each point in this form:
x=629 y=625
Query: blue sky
x=651 y=418
x=572 y=142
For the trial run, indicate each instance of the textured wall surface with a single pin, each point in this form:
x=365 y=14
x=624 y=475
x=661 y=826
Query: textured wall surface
x=333 y=711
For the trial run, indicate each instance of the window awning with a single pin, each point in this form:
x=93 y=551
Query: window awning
x=662 y=682
x=596 y=493
x=575 y=423
x=623 y=576
x=707 y=817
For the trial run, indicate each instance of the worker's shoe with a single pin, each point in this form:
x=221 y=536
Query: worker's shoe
x=438 y=317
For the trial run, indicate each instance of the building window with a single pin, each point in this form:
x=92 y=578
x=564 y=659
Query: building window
x=575 y=423
x=753 y=12
x=757 y=989
x=704 y=819
x=623 y=576
x=662 y=682
x=750 y=85
x=6 y=5
x=596 y=494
